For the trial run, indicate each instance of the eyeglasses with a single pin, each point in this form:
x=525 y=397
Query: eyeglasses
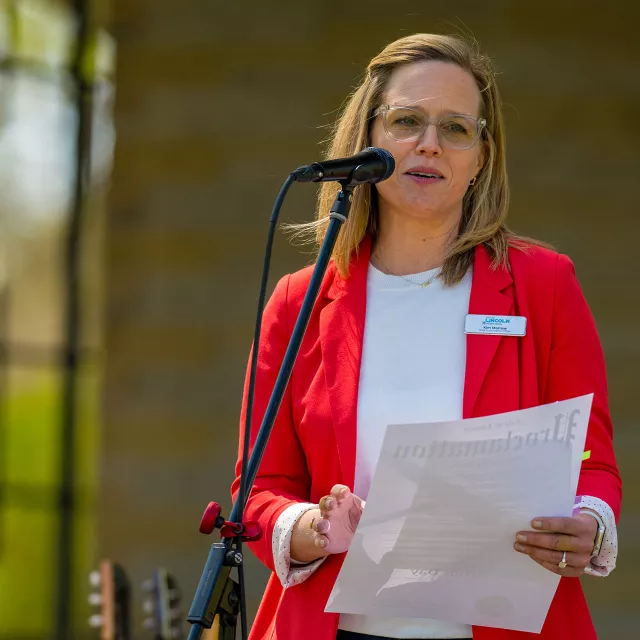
x=408 y=124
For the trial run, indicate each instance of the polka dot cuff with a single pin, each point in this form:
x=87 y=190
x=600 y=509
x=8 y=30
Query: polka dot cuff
x=289 y=571
x=605 y=562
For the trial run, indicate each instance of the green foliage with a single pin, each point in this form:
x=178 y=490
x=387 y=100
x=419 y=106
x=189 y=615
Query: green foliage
x=29 y=519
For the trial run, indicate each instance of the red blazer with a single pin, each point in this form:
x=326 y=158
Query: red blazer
x=313 y=444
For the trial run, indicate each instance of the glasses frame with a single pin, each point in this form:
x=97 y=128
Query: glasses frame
x=386 y=108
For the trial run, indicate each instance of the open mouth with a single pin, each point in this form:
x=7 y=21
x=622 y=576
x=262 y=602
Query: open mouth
x=420 y=174
x=424 y=177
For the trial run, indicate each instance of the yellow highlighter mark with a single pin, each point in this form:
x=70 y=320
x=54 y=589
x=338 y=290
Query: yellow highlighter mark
x=586 y=455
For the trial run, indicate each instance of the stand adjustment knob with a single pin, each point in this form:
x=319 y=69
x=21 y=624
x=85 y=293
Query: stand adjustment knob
x=249 y=531
x=211 y=518
x=233 y=559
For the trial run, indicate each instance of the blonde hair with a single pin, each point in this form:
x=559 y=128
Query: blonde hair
x=486 y=203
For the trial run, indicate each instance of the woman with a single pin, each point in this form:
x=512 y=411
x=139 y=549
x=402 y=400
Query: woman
x=386 y=344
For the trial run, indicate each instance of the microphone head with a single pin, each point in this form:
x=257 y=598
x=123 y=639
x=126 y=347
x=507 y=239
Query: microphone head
x=371 y=165
x=388 y=163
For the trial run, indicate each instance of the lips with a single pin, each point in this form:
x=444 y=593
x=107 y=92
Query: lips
x=425 y=172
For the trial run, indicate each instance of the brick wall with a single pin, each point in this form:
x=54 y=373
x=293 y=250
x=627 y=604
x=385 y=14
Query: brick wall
x=216 y=102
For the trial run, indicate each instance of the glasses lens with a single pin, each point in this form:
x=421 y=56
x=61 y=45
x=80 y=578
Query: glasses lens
x=404 y=124
x=458 y=132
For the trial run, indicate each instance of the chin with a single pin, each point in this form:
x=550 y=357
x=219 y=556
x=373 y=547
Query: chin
x=420 y=209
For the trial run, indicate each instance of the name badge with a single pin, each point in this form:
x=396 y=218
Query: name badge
x=495 y=325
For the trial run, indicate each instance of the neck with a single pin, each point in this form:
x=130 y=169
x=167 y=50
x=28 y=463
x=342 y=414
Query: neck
x=407 y=244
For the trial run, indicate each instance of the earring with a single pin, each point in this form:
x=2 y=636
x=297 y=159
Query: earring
x=473 y=181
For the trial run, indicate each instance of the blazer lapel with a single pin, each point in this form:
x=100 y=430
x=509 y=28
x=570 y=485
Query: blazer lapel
x=341 y=335
x=487 y=298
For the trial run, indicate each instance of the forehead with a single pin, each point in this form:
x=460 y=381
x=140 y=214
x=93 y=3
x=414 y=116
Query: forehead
x=435 y=86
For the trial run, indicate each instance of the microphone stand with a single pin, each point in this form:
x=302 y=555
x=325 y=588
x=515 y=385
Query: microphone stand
x=217 y=593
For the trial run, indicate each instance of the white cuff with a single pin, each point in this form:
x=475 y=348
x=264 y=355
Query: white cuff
x=605 y=562
x=281 y=546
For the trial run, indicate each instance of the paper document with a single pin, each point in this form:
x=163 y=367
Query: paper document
x=436 y=536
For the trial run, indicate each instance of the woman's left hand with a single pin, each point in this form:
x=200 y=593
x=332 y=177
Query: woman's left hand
x=546 y=546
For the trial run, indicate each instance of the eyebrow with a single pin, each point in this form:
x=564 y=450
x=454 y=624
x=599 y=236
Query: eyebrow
x=450 y=112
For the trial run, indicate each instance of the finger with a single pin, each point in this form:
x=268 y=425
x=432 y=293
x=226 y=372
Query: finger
x=555 y=541
x=321 y=541
x=340 y=491
x=570 y=526
x=322 y=526
x=575 y=560
x=326 y=504
x=567 y=572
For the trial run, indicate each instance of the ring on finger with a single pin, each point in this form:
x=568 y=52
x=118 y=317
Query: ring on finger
x=563 y=563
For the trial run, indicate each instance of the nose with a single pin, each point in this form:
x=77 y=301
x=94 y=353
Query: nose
x=429 y=144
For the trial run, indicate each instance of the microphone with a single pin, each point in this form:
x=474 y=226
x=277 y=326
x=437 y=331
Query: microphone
x=370 y=165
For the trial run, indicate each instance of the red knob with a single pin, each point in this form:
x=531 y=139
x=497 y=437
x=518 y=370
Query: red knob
x=210 y=518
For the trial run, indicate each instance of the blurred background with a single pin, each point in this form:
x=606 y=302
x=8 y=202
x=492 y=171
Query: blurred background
x=128 y=280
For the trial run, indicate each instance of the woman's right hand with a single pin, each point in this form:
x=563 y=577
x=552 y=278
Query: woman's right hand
x=340 y=513
x=329 y=528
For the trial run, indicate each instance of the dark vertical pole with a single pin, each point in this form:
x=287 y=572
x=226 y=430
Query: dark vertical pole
x=72 y=325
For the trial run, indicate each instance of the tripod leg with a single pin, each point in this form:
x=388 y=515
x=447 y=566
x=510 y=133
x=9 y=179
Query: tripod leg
x=242 y=602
